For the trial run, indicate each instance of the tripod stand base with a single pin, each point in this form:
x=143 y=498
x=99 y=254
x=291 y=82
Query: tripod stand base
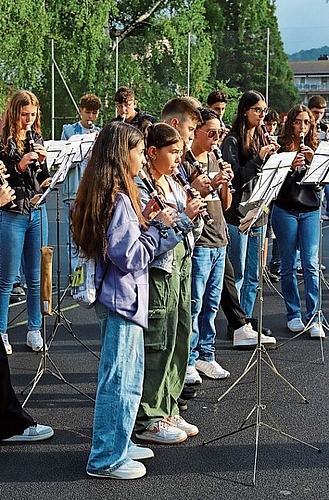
x=258 y=424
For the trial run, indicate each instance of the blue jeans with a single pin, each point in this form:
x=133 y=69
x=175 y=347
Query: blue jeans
x=298 y=230
x=244 y=254
x=119 y=390
x=20 y=237
x=208 y=266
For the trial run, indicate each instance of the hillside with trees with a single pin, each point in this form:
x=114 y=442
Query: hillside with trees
x=310 y=55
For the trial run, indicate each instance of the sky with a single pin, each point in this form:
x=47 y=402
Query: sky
x=304 y=24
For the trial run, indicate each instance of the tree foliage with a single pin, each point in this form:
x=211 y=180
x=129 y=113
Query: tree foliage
x=228 y=49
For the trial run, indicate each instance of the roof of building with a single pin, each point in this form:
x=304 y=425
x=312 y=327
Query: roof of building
x=310 y=67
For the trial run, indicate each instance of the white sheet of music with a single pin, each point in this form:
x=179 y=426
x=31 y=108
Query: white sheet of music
x=270 y=180
x=318 y=171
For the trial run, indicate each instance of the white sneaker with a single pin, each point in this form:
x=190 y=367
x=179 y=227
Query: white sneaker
x=5 y=340
x=163 y=433
x=129 y=470
x=325 y=217
x=136 y=452
x=180 y=423
x=192 y=376
x=295 y=325
x=34 y=340
x=34 y=433
x=316 y=331
x=246 y=336
x=211 y=369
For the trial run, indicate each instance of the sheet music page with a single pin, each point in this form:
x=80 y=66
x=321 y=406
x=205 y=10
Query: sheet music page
x=318 y=170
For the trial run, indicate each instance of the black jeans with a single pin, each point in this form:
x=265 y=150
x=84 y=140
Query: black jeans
x=13 y=419
x=230 y=303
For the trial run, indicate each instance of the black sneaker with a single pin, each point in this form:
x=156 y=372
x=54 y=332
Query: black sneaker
x=17 y=294
x=274 y=278
x=254 y=324
x=182 y=404
x=188 y=392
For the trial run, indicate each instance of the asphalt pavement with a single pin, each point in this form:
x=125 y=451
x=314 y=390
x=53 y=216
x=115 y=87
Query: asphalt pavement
x=286 y=466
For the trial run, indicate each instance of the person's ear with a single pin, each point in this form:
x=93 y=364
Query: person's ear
x=151 y=153
x=174 y=122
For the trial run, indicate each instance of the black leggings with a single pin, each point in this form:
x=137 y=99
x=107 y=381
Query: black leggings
x=13 y=419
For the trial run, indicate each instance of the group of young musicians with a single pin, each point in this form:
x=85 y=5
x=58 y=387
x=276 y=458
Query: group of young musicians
x=158 y=206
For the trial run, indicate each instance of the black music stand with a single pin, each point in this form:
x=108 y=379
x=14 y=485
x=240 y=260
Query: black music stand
x=60 y=320
x=264 y=192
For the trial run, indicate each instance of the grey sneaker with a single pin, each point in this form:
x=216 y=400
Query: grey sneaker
x=34 y=340
x=5 y=340
x=34 y=433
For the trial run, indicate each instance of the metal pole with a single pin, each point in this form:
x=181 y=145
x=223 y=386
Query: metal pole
x=116 y=63
x=267 y=63
x=188 y=62
x=52 y=113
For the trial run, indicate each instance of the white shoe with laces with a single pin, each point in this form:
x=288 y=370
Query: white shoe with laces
x=295 y=325
x=178 y=421
x=36 y=432
x=316 y=331
x=163 y=433
x=192 y=376
x=246 y=336
x=5 y=340
x=34 y=340
x=129 y=470
x=136 y=452
x=211 y=369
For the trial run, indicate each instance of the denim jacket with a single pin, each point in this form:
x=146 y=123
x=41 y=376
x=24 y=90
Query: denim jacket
x=189 y=231
x=124 y=288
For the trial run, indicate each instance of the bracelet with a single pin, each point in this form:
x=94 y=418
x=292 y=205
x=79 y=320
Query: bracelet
x=18 y=170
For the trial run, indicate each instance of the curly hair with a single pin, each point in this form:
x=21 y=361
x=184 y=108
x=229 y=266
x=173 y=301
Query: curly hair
x=286 y=138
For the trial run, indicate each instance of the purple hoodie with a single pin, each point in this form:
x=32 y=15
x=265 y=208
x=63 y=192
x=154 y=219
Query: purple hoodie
x=125 y=288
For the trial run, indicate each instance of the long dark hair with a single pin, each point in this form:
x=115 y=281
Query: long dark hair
x=286 y=138
x=249 y=146
x=11 y=122
x=106 y=175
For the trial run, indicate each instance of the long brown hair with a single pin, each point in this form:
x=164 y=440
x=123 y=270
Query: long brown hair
x=11 y=121
x=107 y=174
x=286 y=138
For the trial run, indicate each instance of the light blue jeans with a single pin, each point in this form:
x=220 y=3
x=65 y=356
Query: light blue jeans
x=208 y=266
x=20 y=238
x=119 y=390
x=298 y=230
x=244 y=254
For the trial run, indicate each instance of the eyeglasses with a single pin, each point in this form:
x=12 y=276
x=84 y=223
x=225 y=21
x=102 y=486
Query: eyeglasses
x=212 y=133
x=260 y=111
x=300 y=122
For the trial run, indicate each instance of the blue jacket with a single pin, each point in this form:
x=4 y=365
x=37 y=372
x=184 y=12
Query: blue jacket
x=125 y=287
x=75 y=173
